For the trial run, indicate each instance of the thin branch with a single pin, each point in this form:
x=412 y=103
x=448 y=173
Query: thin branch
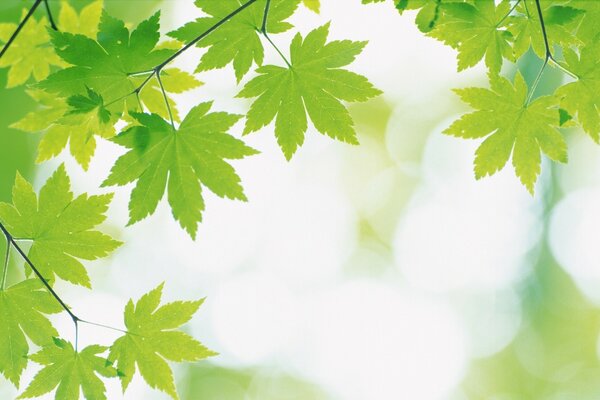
x=543 y=26
x=206 y=33
x=563 y=68
x=10 y=241
x=156 y=70
x=162 y=89
x=6 y=260
x=105 y=326
x=14 y=243
x=137 y=96
x=537 y=81
x=548 y=56
x=52 y=23
x=263 y=30
x=21 y=25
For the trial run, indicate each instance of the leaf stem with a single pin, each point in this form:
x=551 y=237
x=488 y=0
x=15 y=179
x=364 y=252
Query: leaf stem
x=21 y=25
x=11 y=241
x=548 y=56
x=104 y=326
x=205 y=33
x=263 y=30
x=536 y=81
x=162 y=89
x=156 y=70
x=14 y=244
x=52 y=23
x=6 y=259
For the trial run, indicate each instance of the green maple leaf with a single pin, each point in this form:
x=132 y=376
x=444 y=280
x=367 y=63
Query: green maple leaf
x=510 y=126
x=315 y=83
x=91 y=103
x=50 y=109
x=30 y=53
x=151 y=340
x=76 y=120
x=22 y=307
x=238 y=40
x=477 y=31
x=105 y=64
x=71 y=371
x=85 y=23
x=58 y=226
x=180 y=159
x=581 y=98
x=560 y=22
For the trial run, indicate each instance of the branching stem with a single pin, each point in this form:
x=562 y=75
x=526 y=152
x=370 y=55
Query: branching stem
x=548 y=58
x=162 y=89
x=263 y=30
x=11 y=242
x=206 y=33
x=157 y=70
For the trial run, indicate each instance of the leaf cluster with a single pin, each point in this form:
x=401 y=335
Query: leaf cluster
x=95 y=77
x=512 y=122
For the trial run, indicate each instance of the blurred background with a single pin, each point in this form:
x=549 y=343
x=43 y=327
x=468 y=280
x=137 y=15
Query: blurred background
x=381 y=271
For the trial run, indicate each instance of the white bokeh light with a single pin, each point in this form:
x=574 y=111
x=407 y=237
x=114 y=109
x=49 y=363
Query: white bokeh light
x=459 y=233
x=574 y=240
x=372 y=341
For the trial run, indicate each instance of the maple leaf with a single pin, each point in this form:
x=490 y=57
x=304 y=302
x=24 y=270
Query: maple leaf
x=315 y=83
x=581 y=98
x=510 y=125
x=71 y=371
x=238 y=41
x=29 y=54
x=58 y=226
x=76 y=120
x=560 y=22
x=476 y=30
x=151 y=340
x=106 y=64
x=85 y=23
x=180 y=159
x=22 y=307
